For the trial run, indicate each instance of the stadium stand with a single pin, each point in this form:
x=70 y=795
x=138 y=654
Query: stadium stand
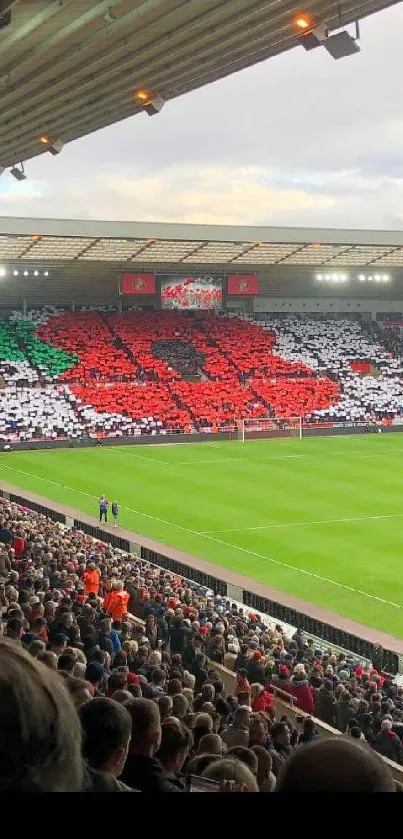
x=196 y=681
x=98 y=372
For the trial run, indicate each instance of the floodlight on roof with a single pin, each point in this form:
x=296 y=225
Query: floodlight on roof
x=18 y=173
x=311 y=35
x=2 y=271
x=154 y=104
x=143 y=95
x=55 y=146
x=341 y=45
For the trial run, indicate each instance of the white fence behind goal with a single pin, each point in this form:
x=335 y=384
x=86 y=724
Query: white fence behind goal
x=255 y=428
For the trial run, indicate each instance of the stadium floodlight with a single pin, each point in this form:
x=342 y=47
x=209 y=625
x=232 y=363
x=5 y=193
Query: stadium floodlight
x=385 y=278
x=55 y=147
x=319 y=277
x=152 y=103
x=18 y=173
x=3 y=271
x=341 y=45
x=362 y=278
x=15 y=273
x=312 y=35
x=46 y=273
x=26 y=273
x=36 y=273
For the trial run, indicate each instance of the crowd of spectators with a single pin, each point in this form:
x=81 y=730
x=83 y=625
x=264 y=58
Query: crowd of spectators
x=111 y=680
x=96 y=372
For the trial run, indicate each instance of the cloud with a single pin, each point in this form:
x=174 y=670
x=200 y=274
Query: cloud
x=297 y=140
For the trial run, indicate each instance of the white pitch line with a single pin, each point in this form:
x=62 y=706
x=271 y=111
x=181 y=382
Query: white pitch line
x=276 y=525
x=221 y=542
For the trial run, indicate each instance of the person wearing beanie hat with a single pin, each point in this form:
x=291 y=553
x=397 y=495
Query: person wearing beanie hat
x=94 y=674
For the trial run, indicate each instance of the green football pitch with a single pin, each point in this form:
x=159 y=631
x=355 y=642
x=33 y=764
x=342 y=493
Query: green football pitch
x=318 y=518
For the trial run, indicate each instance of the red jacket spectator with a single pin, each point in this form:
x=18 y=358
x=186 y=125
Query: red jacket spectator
x=302 y=692
x=263 y=701
x=19 y=546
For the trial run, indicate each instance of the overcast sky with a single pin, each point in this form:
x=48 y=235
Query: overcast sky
x=299 y=140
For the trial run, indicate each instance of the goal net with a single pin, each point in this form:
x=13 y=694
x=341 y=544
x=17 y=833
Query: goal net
x=255 y=428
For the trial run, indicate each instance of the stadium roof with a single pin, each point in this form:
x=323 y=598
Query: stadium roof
x=70 y=67
x=160 y=244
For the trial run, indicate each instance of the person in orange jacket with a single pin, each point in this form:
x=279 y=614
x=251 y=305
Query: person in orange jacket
x=91 y=578
x=116 y=605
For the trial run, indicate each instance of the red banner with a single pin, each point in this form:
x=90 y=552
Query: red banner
x=392 y=324
x=361 y=367
x=246 y=284
x=138 y=284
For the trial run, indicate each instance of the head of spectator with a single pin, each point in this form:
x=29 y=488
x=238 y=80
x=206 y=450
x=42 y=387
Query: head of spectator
x=165 y=705
x=265 y=778
x=67 y=662
x=15 y=629
x=78 y=689
x=117 y=681
x=122 y=696
x=175 y=745
x=95 y=674
x=258 y=730
x=41 y=736
x=49 y=659
x=37 y=647
x=232 y=775
x=280 y=735
x=59 y=643
x=107 y=728
x=210 y=744
x=336 y=765
x=146 y=727
x=245 y=755
x=180 y=706
x=174 y=686
x=198 y=764
x=203 y=724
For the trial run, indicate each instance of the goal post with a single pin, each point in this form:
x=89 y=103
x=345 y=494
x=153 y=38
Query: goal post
x=255 y=428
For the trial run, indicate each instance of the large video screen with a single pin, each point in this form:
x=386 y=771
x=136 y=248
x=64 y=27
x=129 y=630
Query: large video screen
x=191 y=292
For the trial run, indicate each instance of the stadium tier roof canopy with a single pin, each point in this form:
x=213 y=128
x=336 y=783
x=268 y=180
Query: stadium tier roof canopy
x=70 y=67
x=156 y=245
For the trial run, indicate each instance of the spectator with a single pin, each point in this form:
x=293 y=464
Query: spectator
x=280 y=745
x=107 y=730
x=232 y=775
x=173 y=751
x=41 y=739
x=387 y=743
x=143 y=770
x=302 y=692
x=326 y=703
x=261 y=699
x=309 y=731
x=210 y=744
x=265 y=777
x=246 y=756
x=335 y=765
x=237 y=734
